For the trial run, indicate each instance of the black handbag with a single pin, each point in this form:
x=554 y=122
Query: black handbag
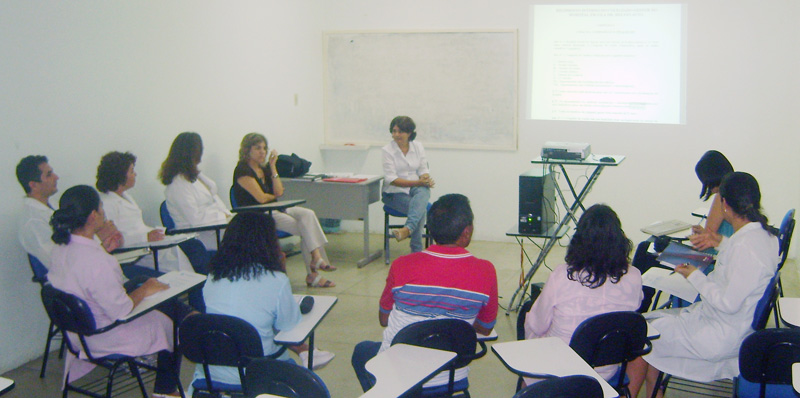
x=292 y=166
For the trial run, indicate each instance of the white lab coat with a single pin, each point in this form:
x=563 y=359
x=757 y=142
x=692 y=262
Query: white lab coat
x=127 y=216
x=35 y=233
x=194 y=204
x=701 y=342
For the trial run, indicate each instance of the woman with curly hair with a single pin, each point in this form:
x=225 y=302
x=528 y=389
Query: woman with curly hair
x=596 y=279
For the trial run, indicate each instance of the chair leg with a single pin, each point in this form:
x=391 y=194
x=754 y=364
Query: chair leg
x=135 y=372
x=386 y=237
x=50 y=334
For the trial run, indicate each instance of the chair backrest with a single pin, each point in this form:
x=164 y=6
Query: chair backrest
x=276 y=377
x=443 y=334
x=521 y=315
x=611 y=338
x=766 y=356
x=222 y=340
x=39 y=270
x=785 y=236
x=232 y=198
x=166 y=218
x=766 y=303
x=578 y=386
x=69 y=314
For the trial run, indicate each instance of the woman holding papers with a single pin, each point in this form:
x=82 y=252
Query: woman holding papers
x=115 y=176
x=701 y=342
x=407 y=182
x=248 y=280
x=256 y=181
x=596 y=279
x=82 y=268
x=192 y=198
x=710 y=169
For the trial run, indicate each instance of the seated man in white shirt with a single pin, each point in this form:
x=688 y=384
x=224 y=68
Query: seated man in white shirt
x=40 y=182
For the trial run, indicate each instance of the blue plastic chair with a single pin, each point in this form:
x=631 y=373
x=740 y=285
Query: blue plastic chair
x=40 y=277
x=785 y=239
x=765 y=364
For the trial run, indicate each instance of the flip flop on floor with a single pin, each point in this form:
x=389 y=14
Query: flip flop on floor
x=322 y=265
x=319 y=281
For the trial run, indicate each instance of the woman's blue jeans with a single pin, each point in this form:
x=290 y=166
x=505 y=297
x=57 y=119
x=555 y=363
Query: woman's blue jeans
x=415 y=205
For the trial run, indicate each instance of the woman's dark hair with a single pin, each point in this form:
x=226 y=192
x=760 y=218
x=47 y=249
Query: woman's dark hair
x=710 y=169
x=406 y=125
x=599 y=249
x=74 y=208
x=184 y=156
x=740 y=191
x=248 y=249
x=113 y=170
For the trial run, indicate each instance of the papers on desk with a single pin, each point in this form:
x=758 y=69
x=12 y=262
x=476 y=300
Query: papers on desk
x=678 y=253
x=169 y=240
x=662 y=228
x=669 y=282
x=178 y=281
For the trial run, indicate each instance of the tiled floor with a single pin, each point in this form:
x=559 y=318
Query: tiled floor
x=355 y=318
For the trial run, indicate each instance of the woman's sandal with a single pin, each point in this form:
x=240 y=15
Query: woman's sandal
x=319 y=281
x=322 y=265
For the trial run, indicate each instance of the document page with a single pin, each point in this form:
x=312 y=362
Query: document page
x=669 y=282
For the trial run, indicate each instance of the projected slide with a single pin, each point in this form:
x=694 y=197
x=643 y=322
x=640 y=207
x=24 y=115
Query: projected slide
x=611 y=63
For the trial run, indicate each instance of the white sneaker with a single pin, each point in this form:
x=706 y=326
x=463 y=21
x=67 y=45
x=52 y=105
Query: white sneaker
x=321 y=358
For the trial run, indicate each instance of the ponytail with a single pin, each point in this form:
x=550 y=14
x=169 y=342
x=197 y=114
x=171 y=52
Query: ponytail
x=75 y=206
x=740 y=191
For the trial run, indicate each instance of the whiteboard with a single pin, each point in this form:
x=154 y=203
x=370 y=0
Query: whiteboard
x=459 y=87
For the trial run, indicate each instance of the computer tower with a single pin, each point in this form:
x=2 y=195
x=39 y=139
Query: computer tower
x=537 y=200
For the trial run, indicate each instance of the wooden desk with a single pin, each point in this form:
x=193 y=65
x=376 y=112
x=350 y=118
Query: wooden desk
x=309 y=322
x=279 y=205
x=153 y=247
x=347 y=201
x=545 y=357
x=6 y=385
x=403 y=367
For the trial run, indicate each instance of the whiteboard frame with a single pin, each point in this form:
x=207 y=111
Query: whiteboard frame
x=512 y=137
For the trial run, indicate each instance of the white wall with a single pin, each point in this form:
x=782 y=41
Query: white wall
x=83 y=78
x=742 y=100
x=79 y=79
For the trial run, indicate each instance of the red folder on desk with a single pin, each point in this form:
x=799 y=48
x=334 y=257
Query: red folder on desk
x=344 y=179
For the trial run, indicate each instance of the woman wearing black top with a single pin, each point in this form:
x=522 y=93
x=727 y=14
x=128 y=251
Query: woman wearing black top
x=256 y=181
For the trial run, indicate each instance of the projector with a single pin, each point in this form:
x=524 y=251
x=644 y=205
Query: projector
x=566 y=150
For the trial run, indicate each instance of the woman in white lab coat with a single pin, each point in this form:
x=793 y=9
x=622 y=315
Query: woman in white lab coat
x=701 y=342
x=192 y=198
x=115 y=176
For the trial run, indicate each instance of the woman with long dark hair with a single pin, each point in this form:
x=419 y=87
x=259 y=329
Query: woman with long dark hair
x=192 y=198
x=80 y=266
x=596 y=279
x=701 y=342
x=247 y=279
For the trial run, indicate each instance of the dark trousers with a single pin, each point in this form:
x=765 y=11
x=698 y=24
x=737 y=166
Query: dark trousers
x=363 y=352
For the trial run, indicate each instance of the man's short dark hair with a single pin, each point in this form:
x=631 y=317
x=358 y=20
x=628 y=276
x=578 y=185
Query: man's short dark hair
x=448 y=217
x=28 y=170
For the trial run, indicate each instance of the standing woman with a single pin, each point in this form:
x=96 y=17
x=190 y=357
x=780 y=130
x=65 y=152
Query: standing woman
x=702 y=341
x=710 y=169
x=115 y=176
x=191 y=196
x=407 y=184
x=82 y=268
x=596 y=279
x=256 y=181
